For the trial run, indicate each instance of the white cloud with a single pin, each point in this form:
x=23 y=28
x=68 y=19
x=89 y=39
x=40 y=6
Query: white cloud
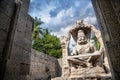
x=90 y=20
x=59 y=25
x=62 y=31
x=60 y=19
x=77 y=3
x=70 y=12
x=44 y=13
x=85 y=8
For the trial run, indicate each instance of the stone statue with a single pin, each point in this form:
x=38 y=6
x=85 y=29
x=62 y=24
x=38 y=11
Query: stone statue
x=81 y=34
x=84 y=53
x=83 y=47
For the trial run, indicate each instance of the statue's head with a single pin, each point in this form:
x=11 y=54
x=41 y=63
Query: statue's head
x=79 y=22
x=81 y=37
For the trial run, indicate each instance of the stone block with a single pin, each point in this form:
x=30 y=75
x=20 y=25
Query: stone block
x=16 y=53
x=27 y=44
x=4 y=27
x=25 y=6
x=24 y=77
x=13 y=67
x=21 y=24
x=19 y=38
x=29 y=26
x=24 y=69
x=2 y=44
x=12 y=71
x=26 y=57
x=7 y=8
x=1 y=54
x=30 y=22
x=28 y=34
x=3 y=35
x=42 y=65
x=4 y=21
x=3 y=38
x=10 y=2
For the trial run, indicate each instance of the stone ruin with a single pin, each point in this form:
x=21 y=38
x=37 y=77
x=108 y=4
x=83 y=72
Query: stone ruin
x=15 y=43
x=85 y=62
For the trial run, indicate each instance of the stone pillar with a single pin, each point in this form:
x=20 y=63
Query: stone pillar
x=6 y=14
x=15 y=43
x=65 y=65
x=108 y=15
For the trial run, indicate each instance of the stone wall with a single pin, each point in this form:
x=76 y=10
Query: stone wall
x=18 y=63
x=16 y=59
x=15 y=43
x=108 y=15
x=6 y=12
x=59 y=67
x=43 y=66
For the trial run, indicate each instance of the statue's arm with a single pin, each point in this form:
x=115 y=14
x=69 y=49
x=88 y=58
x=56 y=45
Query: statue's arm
x=99 y=37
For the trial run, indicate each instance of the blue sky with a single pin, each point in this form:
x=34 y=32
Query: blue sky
x=59 y=15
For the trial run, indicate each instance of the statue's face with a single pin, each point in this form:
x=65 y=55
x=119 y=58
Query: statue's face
x=81 y=38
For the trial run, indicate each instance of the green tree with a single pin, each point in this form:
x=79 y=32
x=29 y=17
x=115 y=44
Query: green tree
x=96 y=42
x=49 y=44
x=37 y=28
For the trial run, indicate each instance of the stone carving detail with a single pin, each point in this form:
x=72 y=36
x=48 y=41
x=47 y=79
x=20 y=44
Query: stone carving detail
x=84 y=60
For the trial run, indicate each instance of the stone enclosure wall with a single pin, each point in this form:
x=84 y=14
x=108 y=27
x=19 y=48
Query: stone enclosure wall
x=42 y=66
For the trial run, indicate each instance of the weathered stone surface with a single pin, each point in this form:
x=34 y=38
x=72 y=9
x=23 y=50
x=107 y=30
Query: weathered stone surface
x=109 y=19
x=13 y=71
x=3 y=35
x=16 y=54
x=7 y=7
x=29 y=22
x=21 y=24
x=24 y=69
x=25 y=6
x=28 y=34
x=29 y=28
x=6 y=12
x=19 y=38
x=84 y=59
x=27 y=44
x=18 y=63
x=4 y=22
x=42 y=66
x=26 y=56
x=59 y=67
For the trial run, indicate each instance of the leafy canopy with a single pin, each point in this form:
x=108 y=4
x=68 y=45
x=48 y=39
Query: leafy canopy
x=37 y=29
x=96 y=42
x=48 y=44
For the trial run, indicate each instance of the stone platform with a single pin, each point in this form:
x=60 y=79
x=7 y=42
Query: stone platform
x=93 y=73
